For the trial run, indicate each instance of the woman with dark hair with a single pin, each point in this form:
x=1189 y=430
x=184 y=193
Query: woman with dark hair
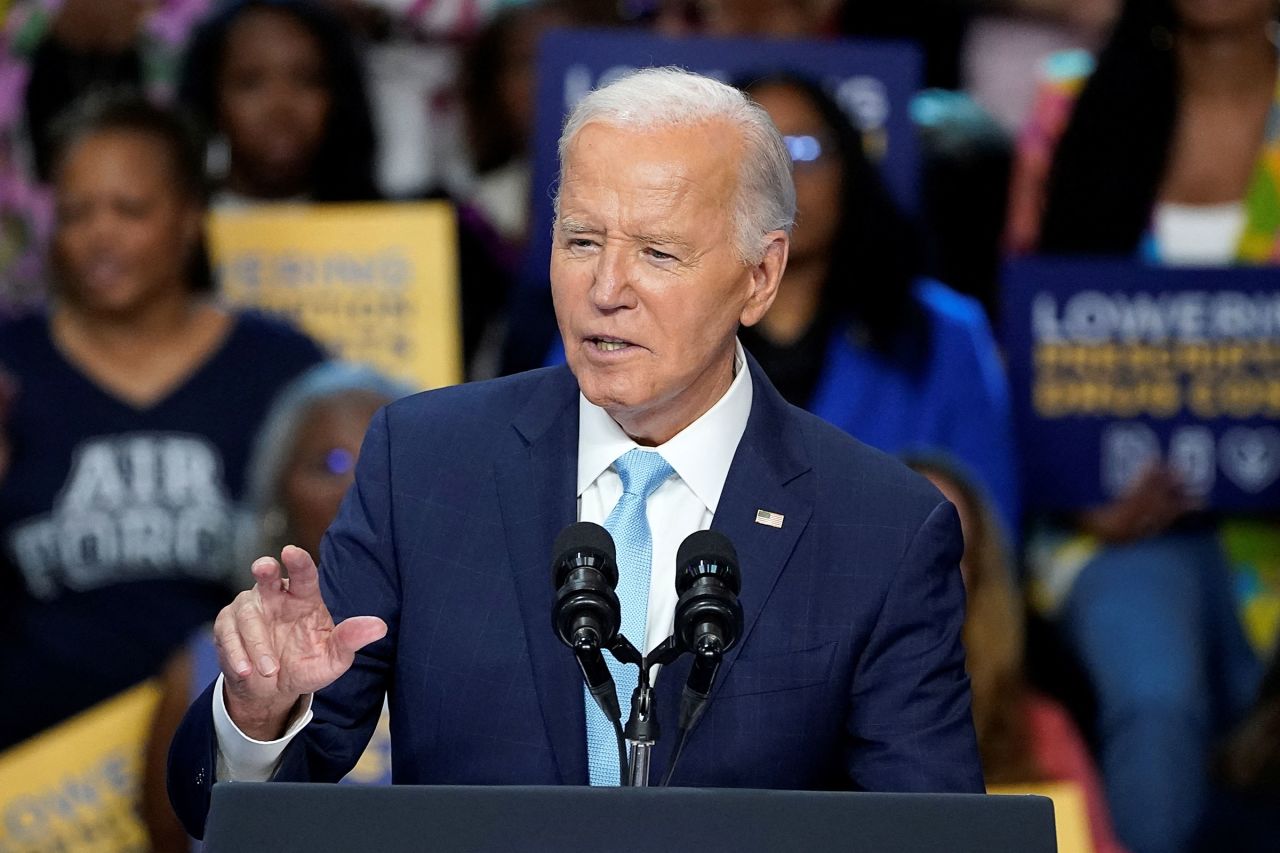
x=279 y=81
x=1024 y=737
x=1166 y=148
x=857 y=335
x=280 y=86
x=127 y=416
x=496 y=86
x=1165 y=151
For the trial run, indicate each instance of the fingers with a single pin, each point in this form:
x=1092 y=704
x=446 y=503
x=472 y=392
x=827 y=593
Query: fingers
x=231 y=651
x=304 y=577
x=353 y=634
x=282 y=631
x=256 y=638
x=1154 y=501
x=244 y=638
x=246 y=630
x=1161 y=501
x=268 y=581
x=1155 y=480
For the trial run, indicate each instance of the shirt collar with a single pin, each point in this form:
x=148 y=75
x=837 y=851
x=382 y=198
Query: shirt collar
x=701 y=453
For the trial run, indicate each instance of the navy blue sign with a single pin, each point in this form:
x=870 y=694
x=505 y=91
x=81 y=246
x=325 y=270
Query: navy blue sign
x=874 y=81
x=1114 y=365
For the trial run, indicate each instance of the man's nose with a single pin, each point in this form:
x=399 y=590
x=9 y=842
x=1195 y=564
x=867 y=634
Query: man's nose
x=612 y=287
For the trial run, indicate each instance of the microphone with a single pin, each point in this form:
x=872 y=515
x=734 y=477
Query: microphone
x=708 y=618
x=586 y=615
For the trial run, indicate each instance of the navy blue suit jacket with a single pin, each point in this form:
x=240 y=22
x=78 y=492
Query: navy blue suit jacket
x=849 y=674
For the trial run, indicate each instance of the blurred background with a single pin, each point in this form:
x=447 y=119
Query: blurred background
x=1035 y=256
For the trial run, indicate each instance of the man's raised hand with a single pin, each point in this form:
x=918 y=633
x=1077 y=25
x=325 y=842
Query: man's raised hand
x=277 y=642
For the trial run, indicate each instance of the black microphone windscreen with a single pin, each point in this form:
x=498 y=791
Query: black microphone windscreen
x=584 y=536
x=584 y=544
x=706 y=546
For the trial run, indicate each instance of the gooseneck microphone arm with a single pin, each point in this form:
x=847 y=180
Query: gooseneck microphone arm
x=595 y=672
x=708 y=621
x=707 y=655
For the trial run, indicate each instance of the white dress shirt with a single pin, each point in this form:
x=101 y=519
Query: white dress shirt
x=700 y=455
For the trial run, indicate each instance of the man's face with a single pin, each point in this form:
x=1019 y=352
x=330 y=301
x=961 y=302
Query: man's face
x=648 y=288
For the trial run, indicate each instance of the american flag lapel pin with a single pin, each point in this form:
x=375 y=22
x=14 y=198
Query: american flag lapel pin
x=772 y=519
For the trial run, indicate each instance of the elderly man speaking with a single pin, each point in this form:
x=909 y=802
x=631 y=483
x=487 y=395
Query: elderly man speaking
x=673 y=219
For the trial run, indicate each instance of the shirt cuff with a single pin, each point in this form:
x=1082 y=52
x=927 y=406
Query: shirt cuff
x=240 y=757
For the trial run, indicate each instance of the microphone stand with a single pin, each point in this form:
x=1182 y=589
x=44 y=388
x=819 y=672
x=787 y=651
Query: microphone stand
x=642 y=730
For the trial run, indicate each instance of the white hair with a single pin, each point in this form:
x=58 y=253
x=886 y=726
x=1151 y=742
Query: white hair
x=672 y=97
x=263 y=527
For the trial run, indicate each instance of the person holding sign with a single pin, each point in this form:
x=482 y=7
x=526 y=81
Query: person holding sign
x=673 y=224
x=281 y=84
x=1165 y=150
x=280 y=91
x=125 y=423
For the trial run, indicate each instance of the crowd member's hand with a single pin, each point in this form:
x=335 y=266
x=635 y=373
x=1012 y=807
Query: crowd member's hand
x=1154 y=501
x=8 y=392
x=277 y=642
x=101 y=26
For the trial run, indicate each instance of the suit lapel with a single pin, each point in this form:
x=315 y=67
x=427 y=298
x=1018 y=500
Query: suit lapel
x=767 y=473
x=536 y=482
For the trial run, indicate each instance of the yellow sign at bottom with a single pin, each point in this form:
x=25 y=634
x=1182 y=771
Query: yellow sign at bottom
x=76 y=786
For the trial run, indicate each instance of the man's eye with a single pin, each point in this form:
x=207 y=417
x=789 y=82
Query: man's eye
x=660 y=255
x=581 y=242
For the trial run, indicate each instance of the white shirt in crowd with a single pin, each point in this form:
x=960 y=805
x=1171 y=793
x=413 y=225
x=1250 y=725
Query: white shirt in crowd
x=1199 y=235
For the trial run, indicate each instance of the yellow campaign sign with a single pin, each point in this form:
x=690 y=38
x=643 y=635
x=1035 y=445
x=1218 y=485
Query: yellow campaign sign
x=375 y=283
x=1070 y=814
x=77 y=785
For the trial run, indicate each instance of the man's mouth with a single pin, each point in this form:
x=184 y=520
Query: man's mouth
x=608 y=344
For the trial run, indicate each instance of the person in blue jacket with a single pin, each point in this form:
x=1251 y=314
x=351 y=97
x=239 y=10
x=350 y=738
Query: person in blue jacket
x=857 y=335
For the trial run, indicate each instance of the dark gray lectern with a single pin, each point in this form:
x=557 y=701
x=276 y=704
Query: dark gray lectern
x=280 y=817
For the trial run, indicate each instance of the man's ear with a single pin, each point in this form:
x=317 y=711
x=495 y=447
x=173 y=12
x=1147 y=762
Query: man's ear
x=765 y=277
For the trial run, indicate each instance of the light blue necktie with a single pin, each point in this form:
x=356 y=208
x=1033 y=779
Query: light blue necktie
x=642 y=472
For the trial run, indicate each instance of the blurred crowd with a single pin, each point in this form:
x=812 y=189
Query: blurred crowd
x=152 y=439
